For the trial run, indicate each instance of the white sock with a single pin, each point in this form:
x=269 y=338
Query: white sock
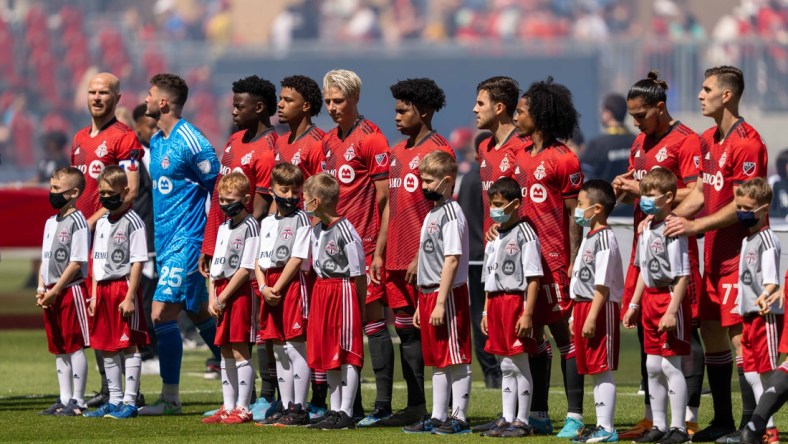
x=133 y=369
x=441 y=380
x=114 y=375
x=297 y=355
x=460 y=390
x=284 y=373
x=79 y=367
x=657 y=389
x=677 y=391
x=525 y=387
x=245 y=375
x=509 y=389
x=171 y=393
x=691 y=414
x=349 y=387
x=334 y=378
x=754 y=379
x=63 y=366
x=229 y=383
x=605 y=399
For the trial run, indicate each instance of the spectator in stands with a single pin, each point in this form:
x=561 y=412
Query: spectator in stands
x=607 y=155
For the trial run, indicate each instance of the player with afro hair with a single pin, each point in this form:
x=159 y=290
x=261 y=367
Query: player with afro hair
x=551 y=109
x=259 y=88
x=309 y=90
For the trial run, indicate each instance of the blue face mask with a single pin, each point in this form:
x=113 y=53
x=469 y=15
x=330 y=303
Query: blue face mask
x=499 y=216
x=747 y=218
x=580 y=217
x=648 y=204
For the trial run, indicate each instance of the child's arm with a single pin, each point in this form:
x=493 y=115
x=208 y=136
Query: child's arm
x=213 y=308
x=92 y=298
x=361 y=294
x=273 y=294
x=600 y=297
x=633 y=311
x=376 y=267
x=525 y=324
x=483 y=325
x=769 y=296
x=668 y=321
x=770 y=264
x=50 y=295
x=240 y=277
x=450 y=265
x=127 y=306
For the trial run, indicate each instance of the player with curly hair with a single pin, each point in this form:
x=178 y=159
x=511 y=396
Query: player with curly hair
x=300 y=99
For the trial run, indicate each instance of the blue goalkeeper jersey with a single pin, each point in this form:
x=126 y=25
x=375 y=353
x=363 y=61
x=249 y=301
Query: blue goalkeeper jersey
x=183 y=169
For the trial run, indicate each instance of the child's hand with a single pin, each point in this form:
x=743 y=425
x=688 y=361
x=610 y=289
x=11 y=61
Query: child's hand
x=524 y=326
x=214 y=309
x=271 y=298
x=765 y=303
x=589 y=328
x=126 y=308
x=483 y=325
x=92 y=306
x=410 y=273
x=631 y=318
x=667 y=323
x=491 y=233
x=46 y=299
x=436 y=318
x=417 y=319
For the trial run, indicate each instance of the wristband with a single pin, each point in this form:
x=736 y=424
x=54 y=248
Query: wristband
x=41 y=290
x=484 y=313
x=571 y=319
x=634 y=307
x=221 y=306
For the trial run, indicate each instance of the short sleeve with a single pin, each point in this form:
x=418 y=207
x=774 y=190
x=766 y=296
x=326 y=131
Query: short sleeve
x=452 y=238
x=376 y=156
x=636 y=257
x=678 y=255
x=251 y=244
x=489 y=249
x=266 y=245
x=748 y=161
x=138 y=245
x=354 y=252
x=570 y=175
x=689 y=158
x=604 y=269
x=264 y=162
x=532 y=258
x=770 y=265
x=301 y=243
x=80 y=244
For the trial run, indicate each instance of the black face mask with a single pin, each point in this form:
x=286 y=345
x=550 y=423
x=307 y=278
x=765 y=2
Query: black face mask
x=287 y=204
x=433 y=195
x=231 y=210
x=112 y=202
x=58 y=200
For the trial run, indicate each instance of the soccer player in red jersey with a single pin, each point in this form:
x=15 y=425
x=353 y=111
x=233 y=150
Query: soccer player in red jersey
x=416 y=101
x=106 y=141
x=665 y=143
x=357 y=154
x=251 y=151
x=300 y=100
x=732 y=152
x=496 y=100
x=549 y=174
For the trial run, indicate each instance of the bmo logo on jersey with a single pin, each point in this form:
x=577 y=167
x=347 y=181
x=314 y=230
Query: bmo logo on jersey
x=716 y=180
x=95 y=168
x=164 y=185
x=225 y=170
x=346 y=174
x=538 y=193
x=410 y=182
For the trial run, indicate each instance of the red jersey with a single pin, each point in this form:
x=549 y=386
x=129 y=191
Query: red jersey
x=406 y=201
x=115 y=144
x=255 y=159
x=548 y=178
x=496 y=163
x=304 y=152
x=357 y=161
x=726 y=163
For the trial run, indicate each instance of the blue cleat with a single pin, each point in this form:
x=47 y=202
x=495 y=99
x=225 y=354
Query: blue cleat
x=124 y=411
x=541 y=426
x=100 y=412
x=377 y=415
x=316 y=414
x=597 y=434
x=572 y=428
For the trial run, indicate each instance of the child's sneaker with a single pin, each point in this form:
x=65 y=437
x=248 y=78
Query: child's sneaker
x=495 y=432
x=692 y=428
x=341 y=422
x=541 y=426
x=425 y=425
x=597 y=434
x=100 y=412
x=653 y=435
x=72 y=409
x=217 y=417
x=517 y=429
x=295 y=415
x=453 y=426
x=124 y=411
x=159 y=408
x=487 y=426
x=260 y=409
x=376 y=415
x=404 y=417
x=638 y=430
x=239 y=415
x=772 y=435
x=329 y=417
x=316 y=414
x=52 y=409
x=572 y=428
x=675 y=436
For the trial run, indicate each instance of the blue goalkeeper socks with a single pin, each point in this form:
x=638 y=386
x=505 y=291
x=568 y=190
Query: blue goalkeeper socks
x=170 y=351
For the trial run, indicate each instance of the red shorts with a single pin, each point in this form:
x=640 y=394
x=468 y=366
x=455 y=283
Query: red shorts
x=449 y=344
x=287 y=320
x=66 y=321
x=333 y=334
x=503 y=312
x=238 y=323
x=719 y=299
x=675 y=343
x=399 y=293
x=694 y=287
x=784 y=337
x=760 y=342
x=553 y=301
x=112 y=332
x=600 y=353
x=374 y=291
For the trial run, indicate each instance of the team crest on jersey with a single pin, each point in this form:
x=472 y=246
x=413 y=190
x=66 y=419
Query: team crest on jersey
x=227 y=150
x=505 y=164
x=296 y=158
x=350 y=153
x=287 y=233
x=165 y=162
x=575 y=178
x=382 y=159
x=484 y=163
x=637 y=153
x=662 y=154
x=748 y=168
x=511 y=248
x=540 y=172
x=246 y=159
x=588 y=256
x=119 y=238
x=750 y=257
x=432 y=228
x=331 y=248
x=696 y=159
x=657 y=247
x=237 y=243
x=413 y=163
x=101 y=151
x=64 y=236
x=723 y=158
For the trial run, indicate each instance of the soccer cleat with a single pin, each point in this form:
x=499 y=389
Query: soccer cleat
x=316 y=414
x=52 y=409
x=100 y=412
x=160 y=408
x=424 y=425
x=99 y=399
x=263 y=408
x=487 y=426
x=295 y=415
x=772 y=435
x=653 y=435
x=748 y=436
x=376 y=415
x=217 y=417
x=404 y=417
x=572 y=428
x=124 y=411
x=730 y=438
x=495 y=432
x=273 y=419
x=517 y=429
x=713 y=432
x=239 y=415
x=453 y=426
x=209 y=413
x=541 y=426
x=330 y=417
x=341 y=421
x=692 y=428
x=72 y=409
x=638 y=430
x=675 y=436
x=597 y=434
